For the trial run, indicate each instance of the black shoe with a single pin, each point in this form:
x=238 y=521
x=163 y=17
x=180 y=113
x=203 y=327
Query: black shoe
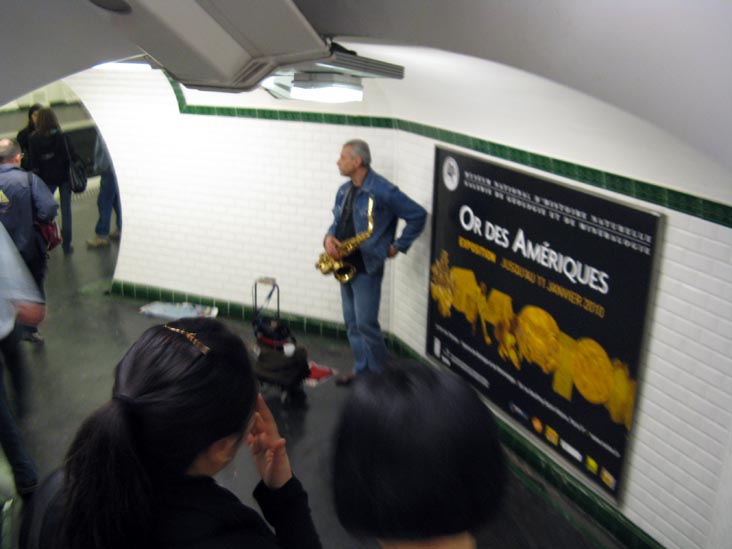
x=69 y=250
x=345 y=379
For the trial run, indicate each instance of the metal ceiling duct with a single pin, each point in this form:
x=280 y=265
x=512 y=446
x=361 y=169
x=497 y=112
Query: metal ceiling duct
x=232 y=45
x=219 y=44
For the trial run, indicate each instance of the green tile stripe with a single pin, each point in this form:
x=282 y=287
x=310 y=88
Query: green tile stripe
x=702 y=208
x=539 y=490
x=603 y=512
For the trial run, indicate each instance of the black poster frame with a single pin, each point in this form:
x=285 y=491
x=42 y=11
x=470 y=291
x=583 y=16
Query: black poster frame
x=539 y=296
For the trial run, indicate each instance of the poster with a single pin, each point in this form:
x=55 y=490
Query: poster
x=538 y=297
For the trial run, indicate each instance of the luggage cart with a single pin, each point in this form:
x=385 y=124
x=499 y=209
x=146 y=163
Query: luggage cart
x=280 y=361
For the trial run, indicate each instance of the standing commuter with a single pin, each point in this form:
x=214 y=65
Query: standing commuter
x=24 y=199
x=23 y=136
x=416 y=461
x=49 y=159
x=18 y=297
x=108 y=198
x=141 y=469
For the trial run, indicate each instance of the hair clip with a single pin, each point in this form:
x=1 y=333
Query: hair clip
x=190 y=336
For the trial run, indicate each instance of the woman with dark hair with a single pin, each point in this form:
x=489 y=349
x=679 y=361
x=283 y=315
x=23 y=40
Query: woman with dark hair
x=140 y=471
x=49 y=160
x=24 y=135
x=416 y=460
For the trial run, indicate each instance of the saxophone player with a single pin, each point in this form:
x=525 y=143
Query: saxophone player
x=361 y=294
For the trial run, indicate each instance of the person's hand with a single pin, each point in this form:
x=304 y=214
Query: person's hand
x=268 y=448
x=331 y=246
x=30 y=314
x=392 y=251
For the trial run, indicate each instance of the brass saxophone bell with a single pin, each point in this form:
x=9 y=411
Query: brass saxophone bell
x=342 y=271
x=345 y=273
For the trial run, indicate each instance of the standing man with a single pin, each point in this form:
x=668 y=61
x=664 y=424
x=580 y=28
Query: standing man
x=24 y=198
x=362 y=294
x=108 y=198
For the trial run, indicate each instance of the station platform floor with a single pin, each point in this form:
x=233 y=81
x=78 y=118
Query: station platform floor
x=88 y=330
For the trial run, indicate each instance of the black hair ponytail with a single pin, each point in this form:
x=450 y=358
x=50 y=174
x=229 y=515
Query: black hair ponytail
x=179 y=388
x=107 y=488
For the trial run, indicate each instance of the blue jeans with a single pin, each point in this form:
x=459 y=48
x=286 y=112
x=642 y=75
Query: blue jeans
x=107 y=201
x=64 y=191
x=361 y=297
x=25 y=471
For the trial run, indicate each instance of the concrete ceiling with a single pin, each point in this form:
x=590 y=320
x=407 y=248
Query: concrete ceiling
x=667 y=61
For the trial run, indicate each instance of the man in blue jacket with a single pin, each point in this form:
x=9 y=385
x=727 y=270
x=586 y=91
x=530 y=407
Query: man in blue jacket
x=24 y=198
x=362 y=294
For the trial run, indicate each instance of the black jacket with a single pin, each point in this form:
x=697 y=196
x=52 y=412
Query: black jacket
x=197 y=513
x=22 y=138
x=48 y=157
x=194 y=513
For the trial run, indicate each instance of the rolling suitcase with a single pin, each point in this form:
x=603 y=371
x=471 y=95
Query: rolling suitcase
x=280 y=360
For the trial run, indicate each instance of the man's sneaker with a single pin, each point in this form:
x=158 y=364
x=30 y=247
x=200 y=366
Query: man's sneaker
x=33 y=337
x=97 y=242
x=115 y=235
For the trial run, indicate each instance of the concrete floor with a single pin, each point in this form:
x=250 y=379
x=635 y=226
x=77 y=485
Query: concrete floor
x=87 y=332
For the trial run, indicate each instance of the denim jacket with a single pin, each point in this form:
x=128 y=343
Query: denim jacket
x=390 y=205
x=21 y=204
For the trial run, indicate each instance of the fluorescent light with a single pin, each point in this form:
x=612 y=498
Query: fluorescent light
x=329 y=94
x=124 y=66
x=326 y=88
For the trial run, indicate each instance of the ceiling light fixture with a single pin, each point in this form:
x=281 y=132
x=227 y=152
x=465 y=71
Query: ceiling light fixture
x=326 y=87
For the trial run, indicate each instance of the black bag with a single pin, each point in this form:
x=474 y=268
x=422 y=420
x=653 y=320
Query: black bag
x=272 y=332
x=275 y=367
x=77 y=170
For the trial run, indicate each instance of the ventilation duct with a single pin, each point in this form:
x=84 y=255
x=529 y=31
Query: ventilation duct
x=232 y=45
x=217 y=44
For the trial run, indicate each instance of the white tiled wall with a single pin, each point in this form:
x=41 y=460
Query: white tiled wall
x=213 y=202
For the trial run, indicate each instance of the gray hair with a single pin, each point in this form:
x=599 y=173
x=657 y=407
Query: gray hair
x=359 y=148
x=9 y=149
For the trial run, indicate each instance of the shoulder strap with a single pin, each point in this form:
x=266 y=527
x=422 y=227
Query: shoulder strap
x=66 y=145
x=30 y=194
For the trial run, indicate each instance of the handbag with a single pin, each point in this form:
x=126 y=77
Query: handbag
x=48 y=230
x=77 y=170
x=49 y=233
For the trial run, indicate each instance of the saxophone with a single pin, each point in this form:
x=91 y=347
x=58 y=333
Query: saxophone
x=343 y=271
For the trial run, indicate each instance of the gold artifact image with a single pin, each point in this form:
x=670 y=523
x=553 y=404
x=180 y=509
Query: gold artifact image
x=534 y=337
x=593 y=373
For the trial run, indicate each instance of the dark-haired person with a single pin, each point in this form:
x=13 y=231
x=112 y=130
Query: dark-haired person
x=140 y=470
x=361 y=296
x=416 y=460
x=24 y=134
x=24 y=199
x=50 y=161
